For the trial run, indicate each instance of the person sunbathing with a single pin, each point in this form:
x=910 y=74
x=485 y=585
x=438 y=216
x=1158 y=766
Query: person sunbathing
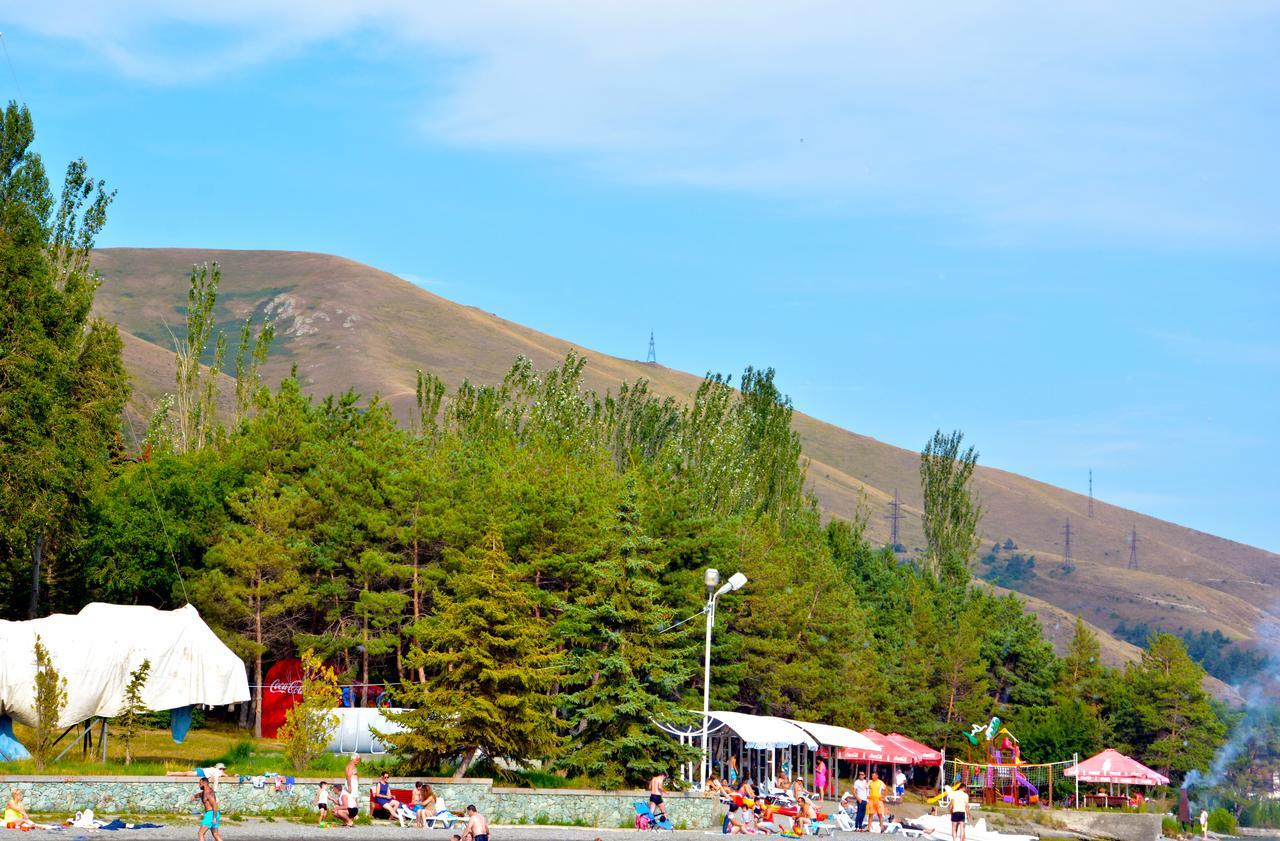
x=15 y=814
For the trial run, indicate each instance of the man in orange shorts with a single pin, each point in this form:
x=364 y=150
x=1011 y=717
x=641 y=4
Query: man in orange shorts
x=875 y=802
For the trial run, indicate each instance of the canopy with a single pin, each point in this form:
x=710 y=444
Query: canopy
x=924 y=755
x=763 y=732
x=838 y=737
x=887 y=751
x=98 y=648
x=1111 y=766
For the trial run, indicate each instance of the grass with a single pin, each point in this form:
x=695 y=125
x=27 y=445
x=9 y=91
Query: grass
x=156 y=754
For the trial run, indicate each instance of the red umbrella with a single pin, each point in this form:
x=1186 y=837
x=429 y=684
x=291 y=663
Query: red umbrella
x=890 y=752
x=1114 y=767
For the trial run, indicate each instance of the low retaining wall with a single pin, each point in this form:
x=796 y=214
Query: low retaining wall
x=168 y=795
x=1117 y=825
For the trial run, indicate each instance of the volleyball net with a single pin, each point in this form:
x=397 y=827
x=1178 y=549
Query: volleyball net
x=1014 y=785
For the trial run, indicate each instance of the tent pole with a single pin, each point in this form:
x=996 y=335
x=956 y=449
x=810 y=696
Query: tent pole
x=104 y=740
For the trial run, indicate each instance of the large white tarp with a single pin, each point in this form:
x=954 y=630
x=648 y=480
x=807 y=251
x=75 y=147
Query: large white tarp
x=98 y=648
x=763 y=732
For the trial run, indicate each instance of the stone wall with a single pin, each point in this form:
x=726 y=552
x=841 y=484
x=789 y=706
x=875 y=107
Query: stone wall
x=168 y=795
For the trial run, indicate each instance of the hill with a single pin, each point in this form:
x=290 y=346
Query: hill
x=347 y=325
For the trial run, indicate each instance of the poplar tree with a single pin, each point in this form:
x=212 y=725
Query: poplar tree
x=62 y=382
x=489 y=666
x=951 y=512
x=623 y=673
x=133 y=709
x=51 y=700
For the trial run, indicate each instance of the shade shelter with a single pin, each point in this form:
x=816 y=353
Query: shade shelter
x=760 y=742
x=924 y=755
x=835 y=739
x=1113 y=768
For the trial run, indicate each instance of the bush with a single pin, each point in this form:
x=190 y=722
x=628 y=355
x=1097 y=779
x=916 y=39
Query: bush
x=1169 y=827
x=309 y=724
x=51 y=700
x=1222 y=822
x=239 y=754
x=159 y=719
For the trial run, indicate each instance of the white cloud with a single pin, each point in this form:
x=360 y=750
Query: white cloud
x=1023 y=118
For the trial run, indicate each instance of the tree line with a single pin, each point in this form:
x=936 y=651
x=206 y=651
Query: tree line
x=509 y=561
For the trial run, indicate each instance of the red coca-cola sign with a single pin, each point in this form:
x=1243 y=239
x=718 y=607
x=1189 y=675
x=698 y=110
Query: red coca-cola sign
x=283 y=689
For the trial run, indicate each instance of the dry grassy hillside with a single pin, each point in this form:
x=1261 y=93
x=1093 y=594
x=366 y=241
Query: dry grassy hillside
x=347 y=325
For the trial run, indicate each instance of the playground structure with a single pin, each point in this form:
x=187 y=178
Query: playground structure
x=995 y=774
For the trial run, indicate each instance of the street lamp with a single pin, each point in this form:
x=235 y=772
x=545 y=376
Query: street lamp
x=712 y=578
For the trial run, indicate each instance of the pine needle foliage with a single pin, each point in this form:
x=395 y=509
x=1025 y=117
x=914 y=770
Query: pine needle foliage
x=623 y=672
x=490 y=669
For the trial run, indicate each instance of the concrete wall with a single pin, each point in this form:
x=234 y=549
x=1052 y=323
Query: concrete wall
x=168 y=795
x=1117 y=825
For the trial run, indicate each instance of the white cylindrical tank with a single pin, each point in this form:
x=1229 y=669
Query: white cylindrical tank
x=356 y=726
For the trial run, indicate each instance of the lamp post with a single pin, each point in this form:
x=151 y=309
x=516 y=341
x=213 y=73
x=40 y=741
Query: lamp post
x=714 y=591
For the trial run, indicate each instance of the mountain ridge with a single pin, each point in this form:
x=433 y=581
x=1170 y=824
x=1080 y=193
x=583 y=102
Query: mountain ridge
x=344 y=324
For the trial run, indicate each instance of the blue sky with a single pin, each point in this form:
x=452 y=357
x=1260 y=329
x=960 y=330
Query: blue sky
x=1055 y=228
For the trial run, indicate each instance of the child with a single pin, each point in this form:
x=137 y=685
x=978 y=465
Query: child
x=322 y=802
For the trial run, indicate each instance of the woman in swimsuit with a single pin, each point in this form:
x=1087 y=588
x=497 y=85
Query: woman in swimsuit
x=15 y=816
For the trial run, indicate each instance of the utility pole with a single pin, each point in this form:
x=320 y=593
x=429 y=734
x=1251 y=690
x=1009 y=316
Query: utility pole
x=652 y=358
x=1090 y=493
x=895 y=514
x=1133 y=547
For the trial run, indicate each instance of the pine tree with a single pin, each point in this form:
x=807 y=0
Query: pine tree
x=133 y=708
x=1083 y=675
x=1164 y=714
x=253 y=581
x=623 y=674
x=489 y=666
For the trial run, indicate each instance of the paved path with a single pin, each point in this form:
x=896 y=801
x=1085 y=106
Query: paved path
x=282 y=830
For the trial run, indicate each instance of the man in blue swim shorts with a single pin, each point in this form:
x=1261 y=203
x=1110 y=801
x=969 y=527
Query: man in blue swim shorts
x=212 y=818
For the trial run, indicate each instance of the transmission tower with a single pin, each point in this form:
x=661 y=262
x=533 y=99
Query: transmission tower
x=653 y=354
x=1066 y=543
x=1133 y=548
x=1090 y=493
x=895 y=514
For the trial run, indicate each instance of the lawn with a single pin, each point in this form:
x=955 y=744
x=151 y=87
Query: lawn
x=155 y=753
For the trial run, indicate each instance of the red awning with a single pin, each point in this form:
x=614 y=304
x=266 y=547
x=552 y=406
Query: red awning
x=894 y=749
x=1114 y=767
x=924 y=755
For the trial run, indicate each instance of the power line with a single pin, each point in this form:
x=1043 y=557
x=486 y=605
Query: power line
x=9 y=62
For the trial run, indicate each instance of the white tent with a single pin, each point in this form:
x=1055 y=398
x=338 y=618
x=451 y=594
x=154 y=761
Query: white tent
x=830 y=735
x=97 y=649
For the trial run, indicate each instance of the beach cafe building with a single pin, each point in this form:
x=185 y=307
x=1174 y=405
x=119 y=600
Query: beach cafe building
x=765 y=745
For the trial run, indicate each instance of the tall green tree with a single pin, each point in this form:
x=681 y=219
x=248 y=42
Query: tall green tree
x=623 y=673
x=62 y=382
x=489 y=666
x=1083 y=676
x=1162 y=712
x=951 y=511
x=253 y=580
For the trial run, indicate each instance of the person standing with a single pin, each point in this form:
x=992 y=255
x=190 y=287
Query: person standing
x=900 y=784
x=1204 y=824
x=211 y=820
x=732 y=773
x=353 y=775
x=875 y=802
x=655 y=794
x=959 y=803
x=861 y=791
x=322 y=801
x=477 y=827
x=820 y=779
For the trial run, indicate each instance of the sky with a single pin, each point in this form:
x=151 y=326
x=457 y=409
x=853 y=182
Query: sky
x=1055 y=227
